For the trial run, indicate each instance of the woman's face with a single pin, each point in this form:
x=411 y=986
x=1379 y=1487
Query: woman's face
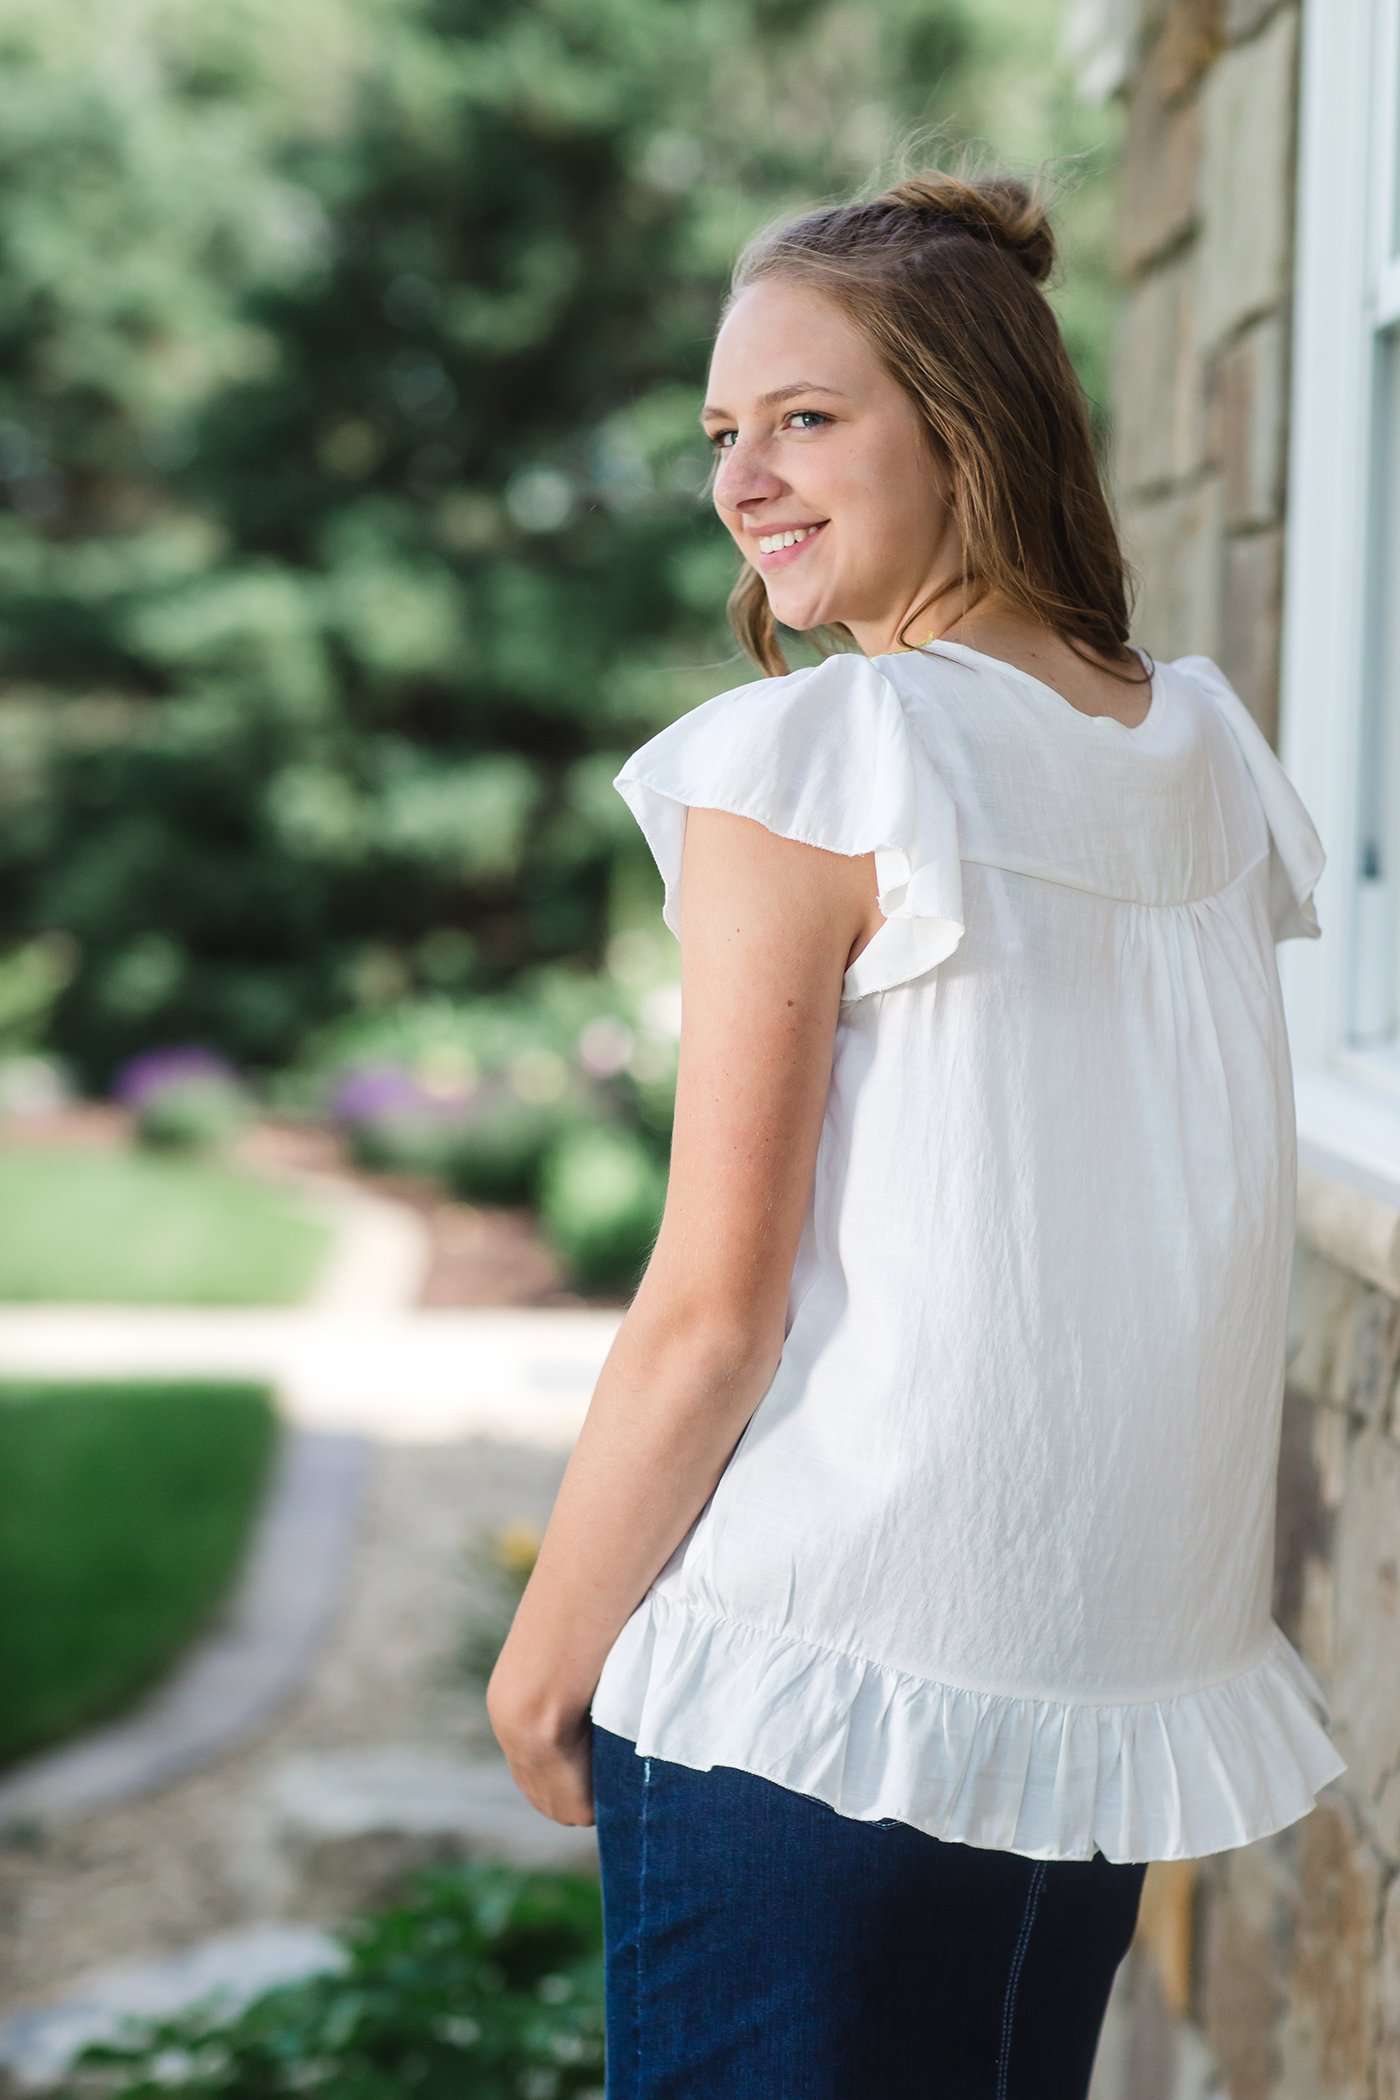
x=844 y=450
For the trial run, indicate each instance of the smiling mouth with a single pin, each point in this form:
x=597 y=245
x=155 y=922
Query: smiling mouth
x=779 y=556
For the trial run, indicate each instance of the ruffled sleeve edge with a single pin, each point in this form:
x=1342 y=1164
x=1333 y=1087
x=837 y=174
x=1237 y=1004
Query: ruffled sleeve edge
x=921 y=899
x=1297 y=856
x=825 y=718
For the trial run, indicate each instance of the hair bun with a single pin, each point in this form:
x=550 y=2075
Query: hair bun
x=998 y=208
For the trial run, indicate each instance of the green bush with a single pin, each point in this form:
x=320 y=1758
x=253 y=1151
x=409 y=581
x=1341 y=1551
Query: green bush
x=182 y=1097
x=404 y=1141
x=191 y=1115
x=601 y=1197
x=486 y=1982
x=476 y=1093
x=500 y=1146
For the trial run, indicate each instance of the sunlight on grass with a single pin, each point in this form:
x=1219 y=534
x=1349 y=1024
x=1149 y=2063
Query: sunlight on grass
x=127 y=1510
x=131 y=1228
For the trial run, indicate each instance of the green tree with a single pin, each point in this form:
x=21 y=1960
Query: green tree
x=356 y=522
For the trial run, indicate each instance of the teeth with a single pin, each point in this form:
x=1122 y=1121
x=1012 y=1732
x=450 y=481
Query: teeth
x=770 y=542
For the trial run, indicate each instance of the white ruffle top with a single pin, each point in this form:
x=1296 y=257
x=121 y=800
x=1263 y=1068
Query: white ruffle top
x=994 y=1553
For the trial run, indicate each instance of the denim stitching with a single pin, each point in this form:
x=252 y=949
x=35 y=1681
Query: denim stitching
x=1009 y=2003
x=641 y=1915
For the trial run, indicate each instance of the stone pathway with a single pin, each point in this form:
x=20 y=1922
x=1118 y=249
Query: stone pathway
x=416 y=1376
x=380 y=1253
x=306 y=1756
x=156 y=1875
x=256 y=1654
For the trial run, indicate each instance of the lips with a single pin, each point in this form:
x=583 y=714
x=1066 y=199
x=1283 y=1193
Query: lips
x=781 y=556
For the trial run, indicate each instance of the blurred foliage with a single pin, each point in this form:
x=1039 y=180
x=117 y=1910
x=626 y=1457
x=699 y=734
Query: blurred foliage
x=485 y=1980
x=498 y=1564
x=183 y=1098
x=353 y=523
x=601 y=1195
x=558 y=1095
x=192 y=1115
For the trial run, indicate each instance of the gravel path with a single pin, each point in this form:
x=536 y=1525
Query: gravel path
x=150 y=1876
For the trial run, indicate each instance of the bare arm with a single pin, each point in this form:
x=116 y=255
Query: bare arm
x=769 y=929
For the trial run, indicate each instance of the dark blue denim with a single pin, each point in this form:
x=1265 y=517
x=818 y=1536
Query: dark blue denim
x=760 y=1946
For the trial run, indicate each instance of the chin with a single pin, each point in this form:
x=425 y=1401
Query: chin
x=792 y=612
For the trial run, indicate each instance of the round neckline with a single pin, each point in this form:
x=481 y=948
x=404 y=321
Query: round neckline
x=1063 y=706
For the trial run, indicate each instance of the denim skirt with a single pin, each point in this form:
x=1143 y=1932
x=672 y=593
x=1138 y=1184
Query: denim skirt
x=760 y=1946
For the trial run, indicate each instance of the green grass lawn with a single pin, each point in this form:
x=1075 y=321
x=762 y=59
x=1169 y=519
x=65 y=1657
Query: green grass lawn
x=134 y=1228
x=126 y=1510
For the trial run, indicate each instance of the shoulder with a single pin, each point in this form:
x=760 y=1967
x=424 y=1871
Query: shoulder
x=1297 y=855
x=826 y=702
x=823 y=756
x=1204 y=675
x=1221 y=700
x=818 y=754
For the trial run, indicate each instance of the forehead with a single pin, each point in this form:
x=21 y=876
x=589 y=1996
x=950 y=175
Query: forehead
x=776 y=333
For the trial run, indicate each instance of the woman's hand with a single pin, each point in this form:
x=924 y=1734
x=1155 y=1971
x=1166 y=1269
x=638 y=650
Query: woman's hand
x=550 y=1753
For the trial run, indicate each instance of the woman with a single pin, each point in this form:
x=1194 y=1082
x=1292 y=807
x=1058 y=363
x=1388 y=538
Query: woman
x=909 y=1587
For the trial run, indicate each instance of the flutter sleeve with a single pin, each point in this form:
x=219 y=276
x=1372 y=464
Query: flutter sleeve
x=1296 y=855
x=824 y=755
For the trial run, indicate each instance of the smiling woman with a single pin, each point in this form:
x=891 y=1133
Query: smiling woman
x=910 y=440
x=908 y=1590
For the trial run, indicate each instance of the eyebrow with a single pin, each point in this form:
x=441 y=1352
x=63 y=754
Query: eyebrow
x=779 y=393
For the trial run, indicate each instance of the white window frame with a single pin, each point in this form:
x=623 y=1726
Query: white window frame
x=1345 y=289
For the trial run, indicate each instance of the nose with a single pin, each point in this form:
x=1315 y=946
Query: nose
x=743 y=478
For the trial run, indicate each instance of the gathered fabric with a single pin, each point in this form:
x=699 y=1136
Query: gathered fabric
x=994 y=1553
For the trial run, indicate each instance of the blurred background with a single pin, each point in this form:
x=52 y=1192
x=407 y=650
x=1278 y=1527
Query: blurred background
x=353 y=530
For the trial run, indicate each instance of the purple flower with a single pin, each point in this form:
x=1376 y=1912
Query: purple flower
x=374 y=1090
x=152 y=1070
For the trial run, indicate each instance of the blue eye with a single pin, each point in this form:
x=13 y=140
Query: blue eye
x=815 y=412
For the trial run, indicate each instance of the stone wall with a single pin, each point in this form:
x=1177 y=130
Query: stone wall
x=1271 y=1972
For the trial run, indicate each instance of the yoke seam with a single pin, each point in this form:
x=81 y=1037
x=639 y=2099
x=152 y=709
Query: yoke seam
x=1086 y=889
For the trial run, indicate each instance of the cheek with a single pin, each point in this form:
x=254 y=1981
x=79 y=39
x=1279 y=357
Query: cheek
x=910 y=490
x=890 y=492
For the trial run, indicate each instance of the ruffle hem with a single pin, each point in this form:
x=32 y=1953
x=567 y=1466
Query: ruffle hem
x=1173 y=1778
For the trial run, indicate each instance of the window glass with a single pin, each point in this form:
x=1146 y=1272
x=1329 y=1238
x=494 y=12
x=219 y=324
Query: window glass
x=1390 y=45
x=1375 y=974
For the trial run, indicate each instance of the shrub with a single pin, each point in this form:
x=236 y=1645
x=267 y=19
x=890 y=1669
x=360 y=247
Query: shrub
x=485 y=1981
x=601 y=1197
x=499 y=1147
x=392 y=1123
x=182 y=1099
